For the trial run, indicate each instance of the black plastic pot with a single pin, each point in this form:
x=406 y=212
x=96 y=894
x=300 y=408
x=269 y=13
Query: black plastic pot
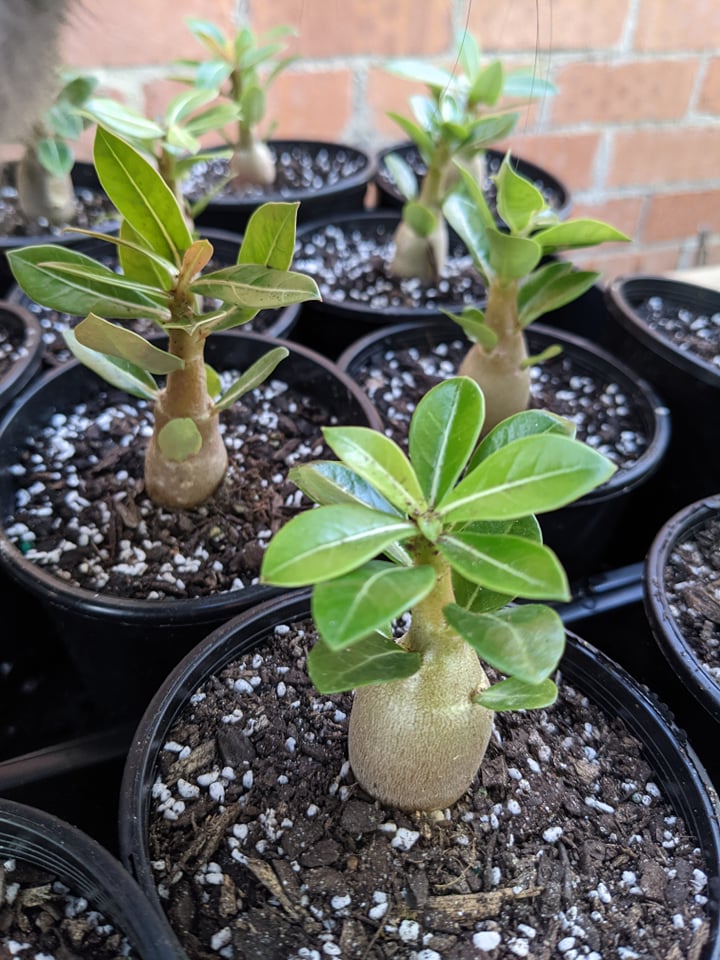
x=20 y=330
x=597 y=532
x=86 y=868
x=122 y=648
x=675 y=767
x=689 y=384
x=352 y=170
x=556 y=193
x=339 y=319
x=271 y=323
x=85 y=182
x=675 y=646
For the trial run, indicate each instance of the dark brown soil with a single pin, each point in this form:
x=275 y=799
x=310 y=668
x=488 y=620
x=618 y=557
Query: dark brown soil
x=266 y=848
x=692 y=581
x=42 y=919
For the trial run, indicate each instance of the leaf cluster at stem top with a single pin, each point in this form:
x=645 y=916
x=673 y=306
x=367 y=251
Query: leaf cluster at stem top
x=390 y=528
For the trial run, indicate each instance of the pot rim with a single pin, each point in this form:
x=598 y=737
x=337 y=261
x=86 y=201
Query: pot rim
x=24 y=367
x=678 y=652
x=622 y=296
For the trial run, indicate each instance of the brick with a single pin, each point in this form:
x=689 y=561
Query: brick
x=375 y=27
x=709 y=99
x=110 y=34
x=678 y=215
x=623 y=213
x=567 y=157
x=608 y=93
x=664 y=156
x=311 y=106
x=633 y=259
x=667 y=25
x=560 y=25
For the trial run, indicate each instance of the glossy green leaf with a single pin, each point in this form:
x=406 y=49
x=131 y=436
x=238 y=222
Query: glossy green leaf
x=403 y=175
x=256 y=374
x=381 y=462
x=350 y=607
x=375 y=659
x=506 y=564
x=518 y=199
x=527 y=423
x=582 y=232
x=525 y=82
x=328 y=481
x=55 y=155
x=513 y=694
x=443 y=433
x=141 y=265
x=122 y=120
x=512 y=258
x=488 y=84
x=97 y=334
x=269 y=237
x=256 y=286
x=115 y=371
x=66 y=280
x=328 y=542
x=524 y=641
x=554 y=293
x=420 y=218
x=141 y=196
x=472 y=321
x=414 y=132
x=535 y=474
x=179 y=439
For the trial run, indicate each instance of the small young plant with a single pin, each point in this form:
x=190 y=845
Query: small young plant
x=43 y=174
x=521 y=284
x=458 y=118
x=162 y=280
x=448 y=534
x=242 y=68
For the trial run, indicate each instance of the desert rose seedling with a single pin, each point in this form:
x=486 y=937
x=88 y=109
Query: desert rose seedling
x=522 y=282
x=448 y=534
x=162 y=280
x=457 y=119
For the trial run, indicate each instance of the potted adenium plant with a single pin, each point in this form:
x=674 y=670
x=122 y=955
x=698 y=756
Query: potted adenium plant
x=185 y=460
x=280 y=817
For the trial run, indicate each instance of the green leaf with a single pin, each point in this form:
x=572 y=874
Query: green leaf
x=487 y=85
x=269 y=237
x=524 y=641
x=179 y=439
x=414 y=132
x=472 y=322
x=348 y=608
x=140 y=265
x=403 y=175
x=553 y=292
x=443 y=432
x=535 y=474
x=527 y=423
x=513 y=694
x=506 y=564
x=115 y=371
x=512 y=258
x=525 y=82
x=420 y=218
x=256 y=286
x=124 y=121
x=328 y=481
x=97 y=334
x=518 y=199
x=326 y=542
x=64 y=279
x=376 y=659
x=141 y=196
x=571 y=234
x=56 y=156
x=256 y=374
x=381 y=462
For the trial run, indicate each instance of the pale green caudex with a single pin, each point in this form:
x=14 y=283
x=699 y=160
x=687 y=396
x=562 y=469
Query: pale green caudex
x=459 y=117
x=449 y=534
x=162 y=280
x=43 y=174
x=241 y=69
x=172 y=141
x=521 y=280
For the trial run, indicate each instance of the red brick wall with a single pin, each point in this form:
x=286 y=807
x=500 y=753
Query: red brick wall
x=634 y=130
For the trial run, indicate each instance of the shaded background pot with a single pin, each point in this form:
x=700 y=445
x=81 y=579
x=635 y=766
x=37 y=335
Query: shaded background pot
x=674 y=766
x=689 y=384
x=681 y=649
x=87 y=869
x=325 y=177
x=123 y=647
x=597 y=531
x=388 y=194
x=21 y=349
x=272 y=323
x=349 y=255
